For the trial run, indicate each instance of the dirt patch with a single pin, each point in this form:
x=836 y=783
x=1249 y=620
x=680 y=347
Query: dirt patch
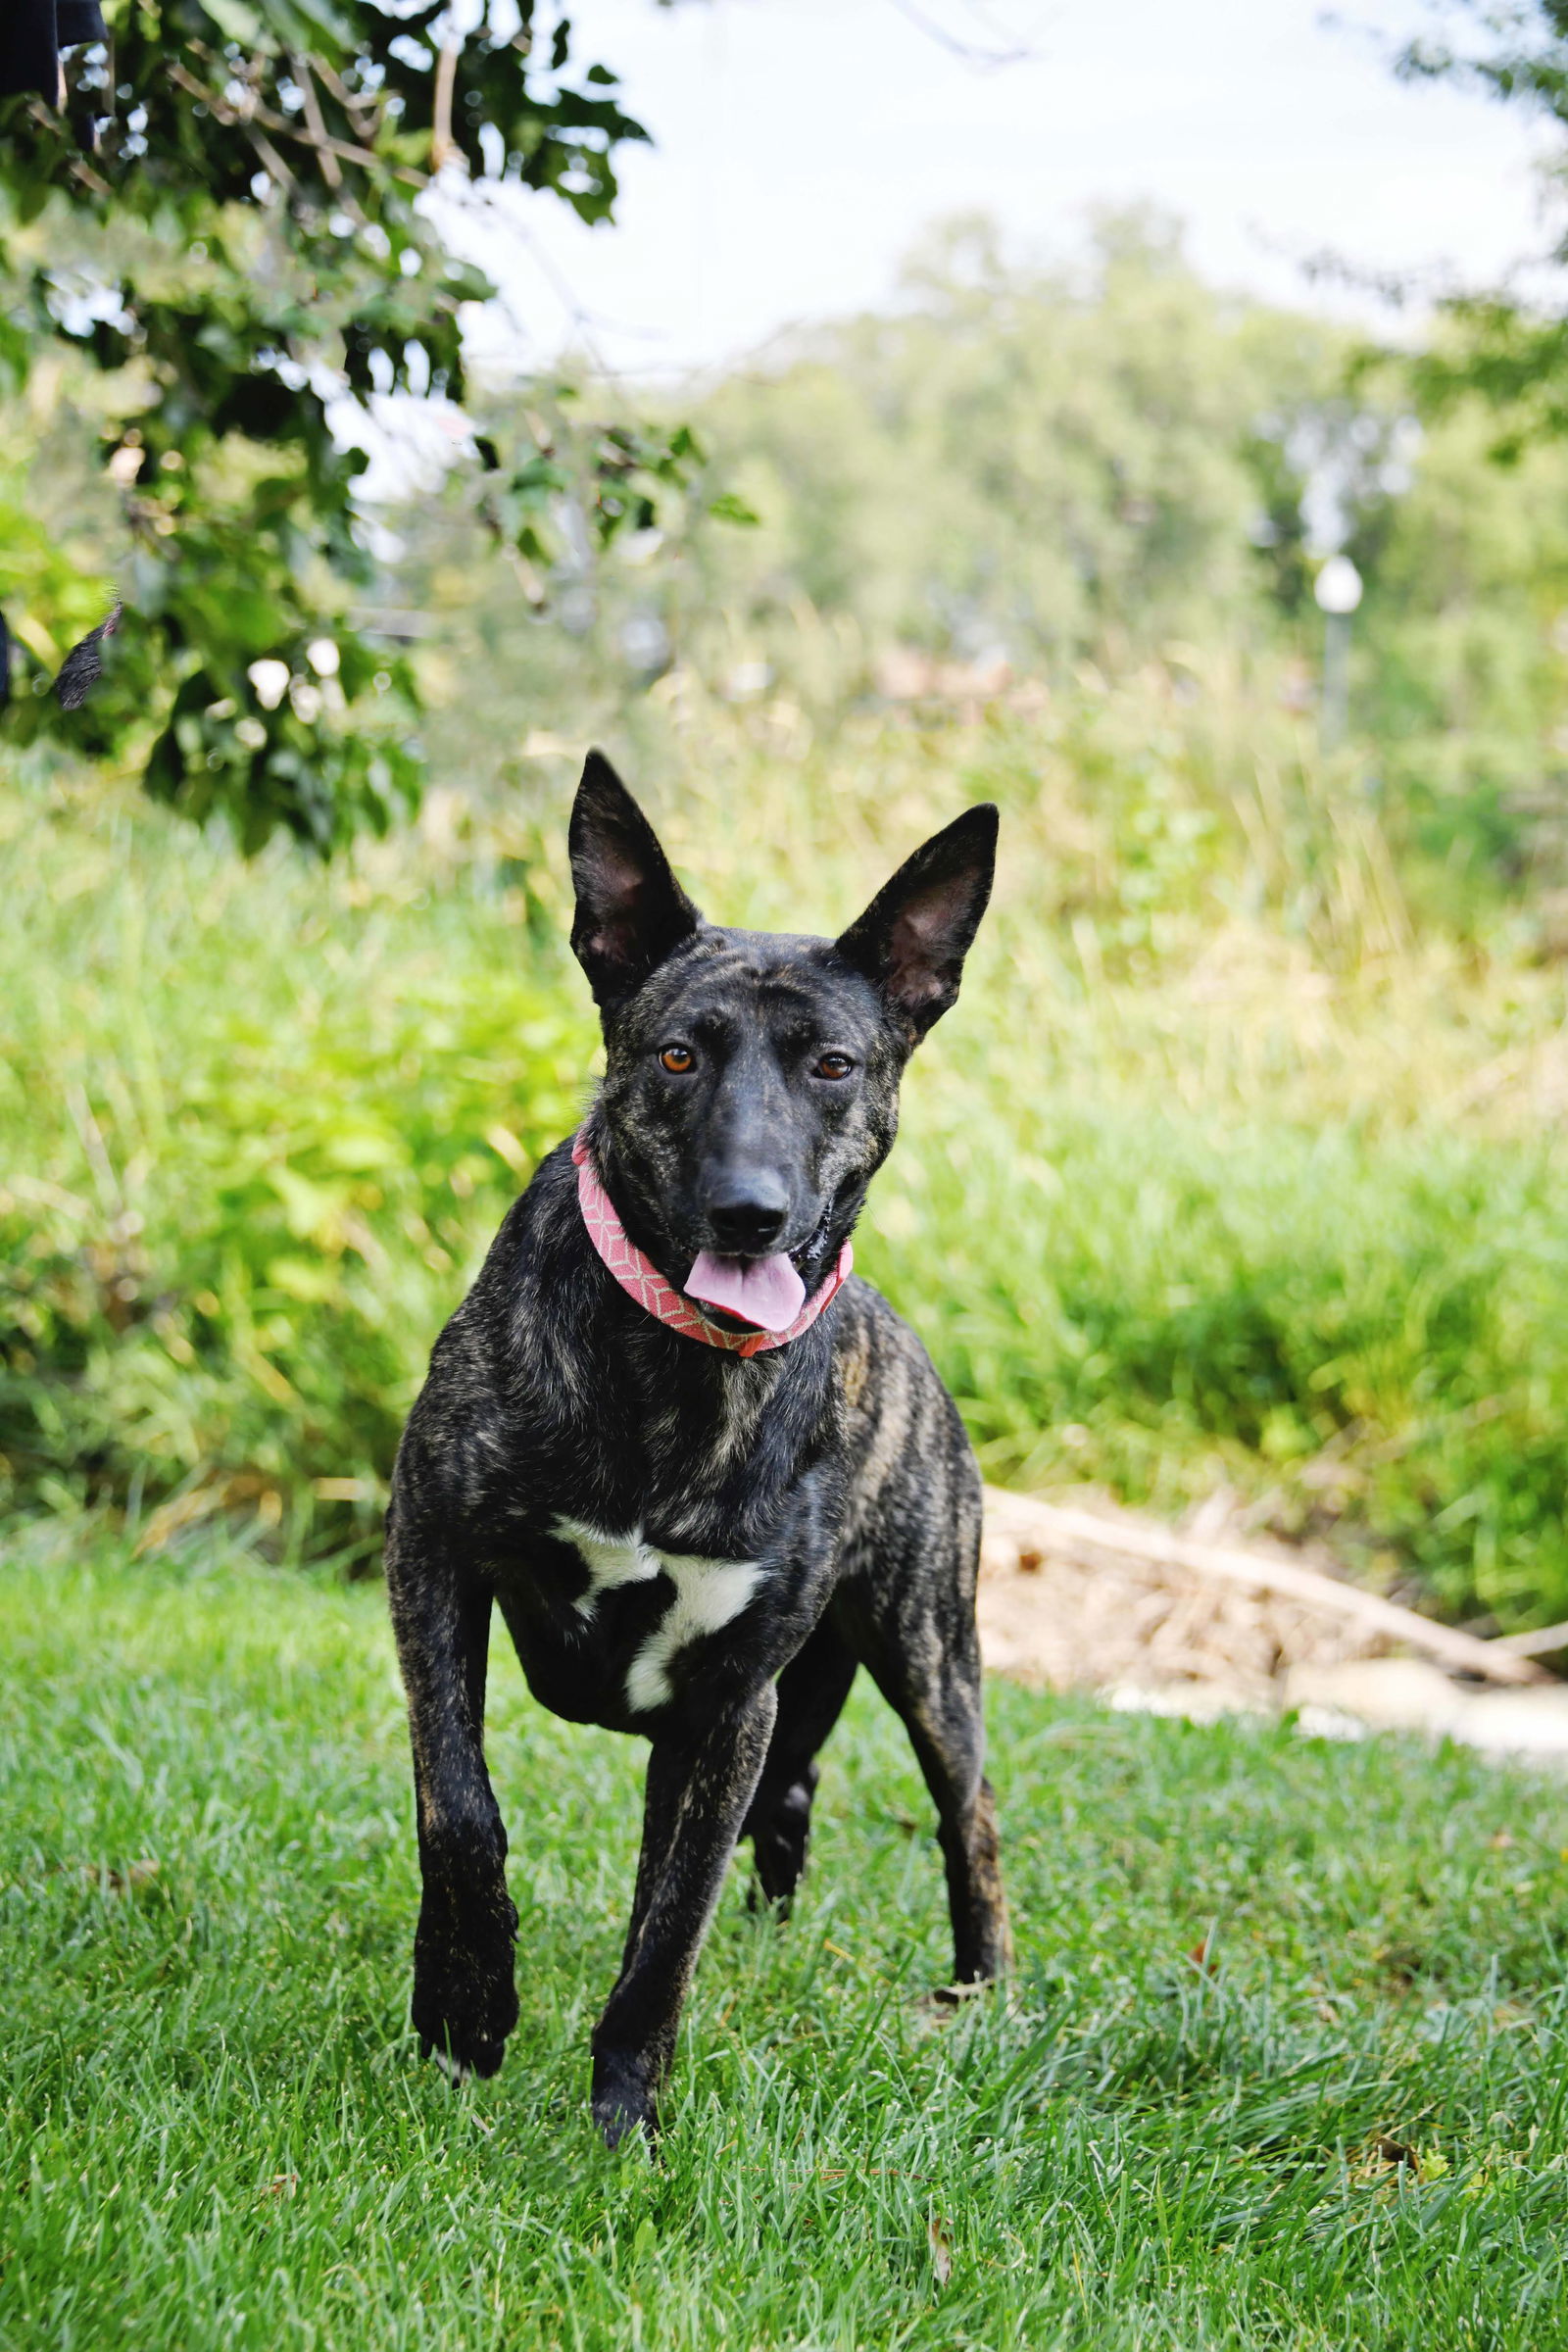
x=1206 y=1619
x=1071 y=1615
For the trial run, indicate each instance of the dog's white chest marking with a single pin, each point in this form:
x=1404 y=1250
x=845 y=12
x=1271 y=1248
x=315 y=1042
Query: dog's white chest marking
x=707 y=1594
x=609 y=1559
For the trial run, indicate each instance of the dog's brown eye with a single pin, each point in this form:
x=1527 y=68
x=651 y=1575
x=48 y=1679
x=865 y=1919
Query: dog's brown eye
x=834 y=1065
x=678 y=1060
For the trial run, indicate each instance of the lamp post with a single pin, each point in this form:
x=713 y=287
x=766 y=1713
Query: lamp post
x=1337 y=591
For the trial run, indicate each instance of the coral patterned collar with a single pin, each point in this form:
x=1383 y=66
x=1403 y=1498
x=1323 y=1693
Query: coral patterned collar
x=641 y=1278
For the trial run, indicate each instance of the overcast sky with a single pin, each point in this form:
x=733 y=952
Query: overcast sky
x=801 y=146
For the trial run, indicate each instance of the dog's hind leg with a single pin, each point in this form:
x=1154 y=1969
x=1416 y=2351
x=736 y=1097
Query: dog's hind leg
x=812 y=1691
x=465 y=2002
x=927 y=1666
x=700 y=1786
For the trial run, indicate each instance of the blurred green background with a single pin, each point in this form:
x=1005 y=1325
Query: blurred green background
x=1239 y=1162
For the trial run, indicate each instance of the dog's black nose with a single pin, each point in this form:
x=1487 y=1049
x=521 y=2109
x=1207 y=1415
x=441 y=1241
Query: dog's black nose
x=748 y=1218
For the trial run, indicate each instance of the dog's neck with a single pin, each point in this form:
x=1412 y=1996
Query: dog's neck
x=640 y=1218
x=644 y=1281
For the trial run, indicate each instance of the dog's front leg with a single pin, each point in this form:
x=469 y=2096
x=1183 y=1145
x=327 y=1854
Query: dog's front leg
x=464 y=2003
x=700 y=1786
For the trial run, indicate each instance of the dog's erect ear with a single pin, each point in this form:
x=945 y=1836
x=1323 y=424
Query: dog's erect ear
x=631 y=911
x=914 y=937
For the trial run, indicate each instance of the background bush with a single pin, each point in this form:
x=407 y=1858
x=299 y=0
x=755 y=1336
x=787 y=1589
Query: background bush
x=1230 y=1167
x=259 y=1129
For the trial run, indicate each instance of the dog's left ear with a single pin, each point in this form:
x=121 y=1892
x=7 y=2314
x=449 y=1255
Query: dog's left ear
x=631 y=911
x=914 y=937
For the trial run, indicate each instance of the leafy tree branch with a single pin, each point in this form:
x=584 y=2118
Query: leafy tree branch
x=218 y=222
x=1505 y=348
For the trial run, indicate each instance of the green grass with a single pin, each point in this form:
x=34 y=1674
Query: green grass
x=216 y=2132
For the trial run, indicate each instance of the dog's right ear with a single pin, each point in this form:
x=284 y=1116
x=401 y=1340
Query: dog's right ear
x=631 y=911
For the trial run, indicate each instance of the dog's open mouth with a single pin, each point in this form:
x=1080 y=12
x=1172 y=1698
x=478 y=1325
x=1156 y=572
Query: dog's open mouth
x=766 y=1292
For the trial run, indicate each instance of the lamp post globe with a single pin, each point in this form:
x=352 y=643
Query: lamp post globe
x=1338 y=586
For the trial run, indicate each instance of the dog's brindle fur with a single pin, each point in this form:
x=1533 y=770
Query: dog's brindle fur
x=684 y=1542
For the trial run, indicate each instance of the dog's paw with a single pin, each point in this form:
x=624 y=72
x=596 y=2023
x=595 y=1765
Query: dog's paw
x=465 y=2038
x=955 y=1996
x=464 y=2000
x=455 y=2070
x=460 y=2066
x=762 y=1903
x=623 y=2098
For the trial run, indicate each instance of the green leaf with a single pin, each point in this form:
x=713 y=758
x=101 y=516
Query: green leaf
x=729 y=507
x=240 y=23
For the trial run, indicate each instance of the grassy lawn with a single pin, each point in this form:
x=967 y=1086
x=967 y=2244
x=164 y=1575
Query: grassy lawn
x=1348 y=2129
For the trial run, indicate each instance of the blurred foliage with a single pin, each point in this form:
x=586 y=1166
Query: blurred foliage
x=1230 y=1168
x=1032 y=462
x=231 y=1235
x=1506 y=346
x=223 y=221
x=1020 y=469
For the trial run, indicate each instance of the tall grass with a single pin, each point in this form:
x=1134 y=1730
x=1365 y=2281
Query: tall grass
x=1231 y=1164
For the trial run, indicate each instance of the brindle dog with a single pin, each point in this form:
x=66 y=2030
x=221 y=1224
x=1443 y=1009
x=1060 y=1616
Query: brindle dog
x=699 y=1542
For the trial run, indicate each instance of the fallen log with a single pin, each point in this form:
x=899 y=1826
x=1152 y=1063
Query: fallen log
x=1540 y=1641
x=1056 y=1527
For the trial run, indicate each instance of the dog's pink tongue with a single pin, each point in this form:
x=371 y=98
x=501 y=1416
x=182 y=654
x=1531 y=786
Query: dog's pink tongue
x=764 y=1291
